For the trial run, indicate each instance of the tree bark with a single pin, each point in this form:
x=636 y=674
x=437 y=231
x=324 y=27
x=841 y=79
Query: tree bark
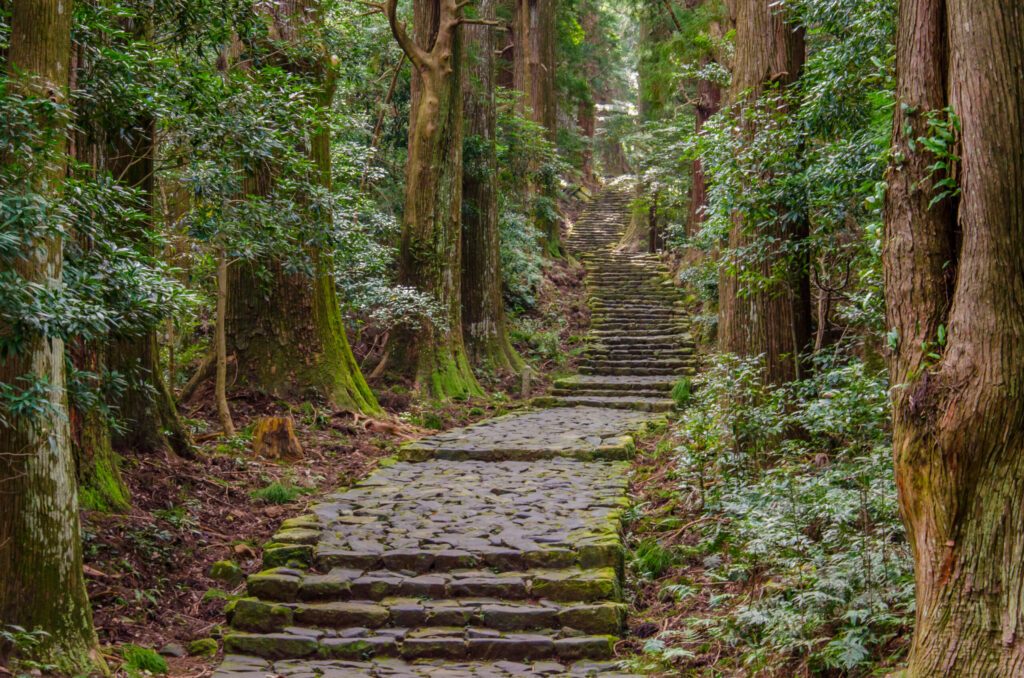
x=148 y=408
x=775 y=318
x=483 y=308
x=287 y=334
x=220 y=389
x=958 y=416
x=433 y=355
x=534 y=29
x=40 y=542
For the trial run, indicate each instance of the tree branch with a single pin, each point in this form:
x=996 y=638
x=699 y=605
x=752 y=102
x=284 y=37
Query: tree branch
x=417 y=55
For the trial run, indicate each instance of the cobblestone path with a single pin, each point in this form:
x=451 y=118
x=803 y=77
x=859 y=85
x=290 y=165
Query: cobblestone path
x=492 y=550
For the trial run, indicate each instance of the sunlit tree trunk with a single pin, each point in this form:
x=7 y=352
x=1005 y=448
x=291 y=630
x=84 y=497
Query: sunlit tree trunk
x=433 y=354
x=483 y=309
x=286 y=332
x=773 y=318
x=41 y=585
x=954 y=276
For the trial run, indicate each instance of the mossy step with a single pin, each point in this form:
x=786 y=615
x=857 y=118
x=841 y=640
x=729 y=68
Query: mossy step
x=559 y=584
x=618 y=402
x=581 y=392
x=638 y=371
x=420 y=644
x=256 y=616
x=617 y=383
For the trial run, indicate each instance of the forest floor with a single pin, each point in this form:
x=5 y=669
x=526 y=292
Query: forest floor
x=149 y=569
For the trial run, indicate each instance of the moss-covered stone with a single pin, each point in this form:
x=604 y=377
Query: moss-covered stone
x=287 y=555
x=250 y=614
x=270 y=645
x=600 y=618
x=601 y=584
x=297 y=535
x=203 y=647
x=227 y=571
x=279 y=584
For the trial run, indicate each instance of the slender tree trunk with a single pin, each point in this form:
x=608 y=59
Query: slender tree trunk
x=534 y=76
x=775 y=318
x=954 y=275
x=148 y=408
x=483 y=309
x=287 y=334
x=434 y=354
x=220 y=346
x=709 y=101
x=40 y=543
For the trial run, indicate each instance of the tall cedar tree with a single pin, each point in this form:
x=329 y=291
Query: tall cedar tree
x=709 y=100
x=535 y=23
x=483 y=309
x=774 y=318
x=286 y=333
x=433 y=355
x=42 y=586
x=954 y=280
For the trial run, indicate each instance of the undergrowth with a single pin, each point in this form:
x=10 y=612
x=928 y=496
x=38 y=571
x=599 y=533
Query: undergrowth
x=770 y=543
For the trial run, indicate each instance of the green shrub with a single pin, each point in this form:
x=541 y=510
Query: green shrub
x=650 y=560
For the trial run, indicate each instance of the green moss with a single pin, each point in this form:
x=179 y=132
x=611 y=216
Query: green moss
x=227 y=571
x=278 y=493
x=142 y=659
x=203 y=647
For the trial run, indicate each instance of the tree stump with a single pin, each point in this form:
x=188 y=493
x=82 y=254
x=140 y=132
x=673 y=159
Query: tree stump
x=274 y=438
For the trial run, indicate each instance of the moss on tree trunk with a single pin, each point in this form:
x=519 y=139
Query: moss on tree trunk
x=41 y=586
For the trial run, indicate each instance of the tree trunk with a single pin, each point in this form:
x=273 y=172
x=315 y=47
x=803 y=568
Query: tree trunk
x=434 y=354
x=40 y=543
x=709 y=101
x=534 y=29
x=220 y=389
x=285 y=330
x=148 y=407
x=483 y=309
x=775 y=318
x=958 y=416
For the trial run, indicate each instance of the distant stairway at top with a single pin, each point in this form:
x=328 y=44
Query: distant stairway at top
x=639 y=344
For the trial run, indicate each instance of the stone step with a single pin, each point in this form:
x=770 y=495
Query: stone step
x=626 y=383
x=420 y=644
x=625 y=402
x=561 y=584
x=239 y=666
x=639 y=371
x=587 y=392
x=258 y=616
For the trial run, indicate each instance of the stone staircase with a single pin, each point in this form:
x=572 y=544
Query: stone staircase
x=492 y=550
x=640 y=344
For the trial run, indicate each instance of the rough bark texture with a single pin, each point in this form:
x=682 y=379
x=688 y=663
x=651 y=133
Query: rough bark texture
x=434 y=354
x=959 y=420
x=148 y=408
x=534 y=26
x=40 y=544
x=774 y=319
x=483 y=309
x=287 y=334
x=709 y=101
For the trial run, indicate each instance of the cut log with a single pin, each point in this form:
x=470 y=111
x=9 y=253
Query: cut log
x=274 y=438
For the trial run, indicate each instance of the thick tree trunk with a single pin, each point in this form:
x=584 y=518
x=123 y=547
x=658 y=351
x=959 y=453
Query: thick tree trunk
x=40 y=543
x=287 y=333
x=709 y=100
x=958 y=423
x=434 y=354
x=775 y=318
x=483 y=309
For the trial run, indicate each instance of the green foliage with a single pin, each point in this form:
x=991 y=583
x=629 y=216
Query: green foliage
x=798 y=480
x=942 y=141
x=18 y=646
x=650 y=560
x=142 y=661
x=278 y=493
x=682 y=392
